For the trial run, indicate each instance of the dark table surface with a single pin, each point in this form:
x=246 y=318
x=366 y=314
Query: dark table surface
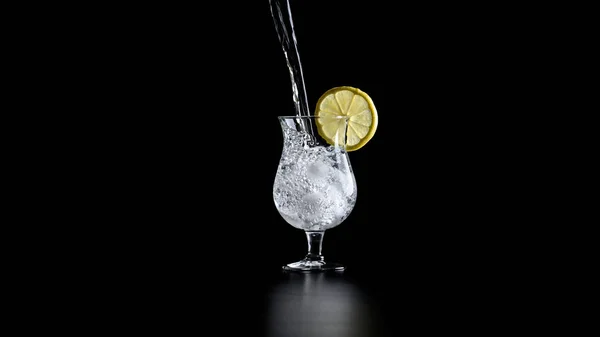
x=323 y=304
x=176 y=291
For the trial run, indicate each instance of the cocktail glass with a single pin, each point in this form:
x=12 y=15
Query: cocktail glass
x=315 y=187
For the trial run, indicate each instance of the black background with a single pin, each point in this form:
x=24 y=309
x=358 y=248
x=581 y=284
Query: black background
x=202 y=140
x=183 y=173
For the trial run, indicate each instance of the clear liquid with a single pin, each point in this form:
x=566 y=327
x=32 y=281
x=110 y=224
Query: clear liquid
x=284 y=25
x=314 y=187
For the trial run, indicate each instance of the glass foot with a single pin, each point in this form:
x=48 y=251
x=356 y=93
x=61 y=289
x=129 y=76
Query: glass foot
x=313 y=266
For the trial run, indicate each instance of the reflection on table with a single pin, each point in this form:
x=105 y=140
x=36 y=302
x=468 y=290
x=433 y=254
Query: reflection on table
x=320 y=304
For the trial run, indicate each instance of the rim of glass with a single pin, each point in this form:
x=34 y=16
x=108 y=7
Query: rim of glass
x=312 y=116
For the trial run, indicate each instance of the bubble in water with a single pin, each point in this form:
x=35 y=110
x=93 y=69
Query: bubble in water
x=336 y=205
x=318 y=172
x=344 y=182
x=312 y=206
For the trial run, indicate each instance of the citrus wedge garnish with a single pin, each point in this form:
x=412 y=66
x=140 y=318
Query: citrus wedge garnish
x=352 y=103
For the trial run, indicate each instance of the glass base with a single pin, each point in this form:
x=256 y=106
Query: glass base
x=313 y=266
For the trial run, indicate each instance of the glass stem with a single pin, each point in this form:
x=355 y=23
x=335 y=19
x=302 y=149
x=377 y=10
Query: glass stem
x=315 y=244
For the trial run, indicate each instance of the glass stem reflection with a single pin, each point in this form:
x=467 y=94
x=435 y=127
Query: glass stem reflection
x=315 y=244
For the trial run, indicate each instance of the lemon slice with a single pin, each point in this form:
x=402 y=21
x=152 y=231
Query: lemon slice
x=357 y=106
